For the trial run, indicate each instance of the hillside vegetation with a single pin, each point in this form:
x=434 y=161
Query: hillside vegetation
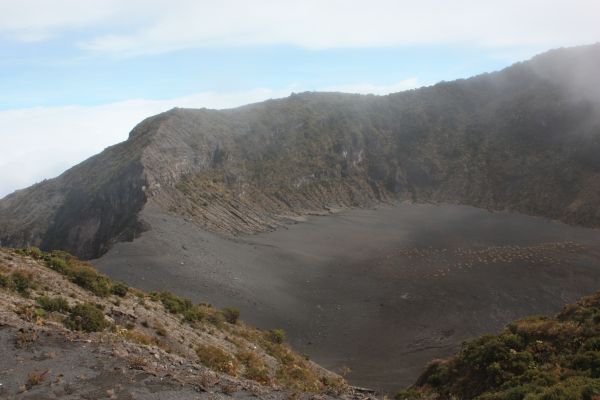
x=524 y=139
x=54 y=306
x=534 y=358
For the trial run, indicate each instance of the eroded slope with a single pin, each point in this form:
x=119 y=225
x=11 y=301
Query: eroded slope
x=68 y=332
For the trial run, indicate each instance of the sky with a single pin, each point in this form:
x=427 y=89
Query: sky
x=77 y=75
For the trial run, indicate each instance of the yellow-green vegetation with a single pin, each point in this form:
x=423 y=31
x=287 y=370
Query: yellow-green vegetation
x=55 y=304
x=119 y=289
x=173 y=303
x=294 y=371
x=535 y=358
x=255 y=367
x=196 y=313
x=4 y=281
x=217 y=359
x=276 y=335
x=35 y=378
x=25 y=339
x=78 y=272
x=30 y=313
x=22 y=281
x=86 y=317
x=191 y=312
x=231 y=314
x=141 y=338
x=215 y=338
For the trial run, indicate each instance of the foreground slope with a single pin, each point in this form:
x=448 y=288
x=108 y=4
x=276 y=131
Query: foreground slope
x=68 y=332
x=525 y=139
x=533 y=358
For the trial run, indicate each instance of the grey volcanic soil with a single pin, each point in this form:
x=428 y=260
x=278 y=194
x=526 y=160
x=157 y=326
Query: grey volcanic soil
x=382 y=291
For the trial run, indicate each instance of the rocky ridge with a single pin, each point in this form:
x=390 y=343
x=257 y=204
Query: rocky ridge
x=524 y=139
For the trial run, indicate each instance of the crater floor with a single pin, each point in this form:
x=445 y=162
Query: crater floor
x=380 y=291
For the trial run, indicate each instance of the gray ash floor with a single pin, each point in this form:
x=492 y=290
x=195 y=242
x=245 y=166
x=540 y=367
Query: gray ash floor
x=381 y=291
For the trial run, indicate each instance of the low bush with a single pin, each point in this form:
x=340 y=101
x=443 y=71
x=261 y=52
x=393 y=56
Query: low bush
x=22 y=281
x=5 y=281
x=58 y=264
x=138 y=337
x=255 y=367
x=276 y=335
x=195 y=313
x=25 y=338
x=80 y=273
x=56 y=304
x=173 y=303
x=119 y=289
x=88 y=278
x=35 y=378
x=217 y=359
x=231 y=314
x=34 y=252
x=216 y=318
x=298 y=376
x=86 y=317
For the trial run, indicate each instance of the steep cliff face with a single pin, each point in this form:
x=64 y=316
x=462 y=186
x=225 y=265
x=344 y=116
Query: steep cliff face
x=84 y=209
x=525 y=138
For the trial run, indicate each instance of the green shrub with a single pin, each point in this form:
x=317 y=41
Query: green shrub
x=86 y=317
x=256 y=369
x=593 y=344
x=276 y=336
x=173 y=303
x=5 y=281
x=58 y=304
x=217 y=359
x=58 y=264
x=195 y=313
x=22 y=281
x=34 y=252
x=80 y=273
x=90 y=279
x=588 y=361
x=231 y=314
x=119 y=289
x=216 y=318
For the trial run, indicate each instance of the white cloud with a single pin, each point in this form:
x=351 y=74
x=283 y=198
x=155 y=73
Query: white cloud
x=35 y=20
x=42 y=142
x=136 y=26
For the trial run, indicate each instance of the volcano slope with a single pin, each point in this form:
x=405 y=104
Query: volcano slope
x=524 y=139
x=68 y=332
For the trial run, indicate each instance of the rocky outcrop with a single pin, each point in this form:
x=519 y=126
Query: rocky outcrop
x=525 y=139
